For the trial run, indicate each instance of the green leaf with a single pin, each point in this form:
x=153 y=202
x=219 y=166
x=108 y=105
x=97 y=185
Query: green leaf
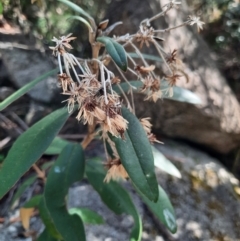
x=163 y=210
x=79 y=10
x=136 y=156
x=2 y=157
x=33 y=202
x=56 y=146
x=88 y=216
x=46 y=236
x=22 y=188
x=146 y=56
x=164 y=164
x=47 y=165
x=116 y=51
x=184 y=95
x=29 y=147
x=114 y=196
x=179 y=94
x=83 y=20
x=10 y=99
x=68 y=168
x=134 y=84
x=47 y=220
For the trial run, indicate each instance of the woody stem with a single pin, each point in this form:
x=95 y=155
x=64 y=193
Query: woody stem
x=95 y=69
x=89 y=137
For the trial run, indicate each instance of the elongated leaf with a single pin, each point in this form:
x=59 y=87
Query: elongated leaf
x=10 y=99
x=134 y=84
x=47 y=220
x=33 y=202
x=163 y=210
x=87 y=215
x=84 y=21
x=114 y=196
x=116 y=51
x=179 y=94
x=56 y=146
x=146 y=56
x=29 y=147
x=136 y=156
x=164 y=164
x=45 y=236
x=47 y=165
x=79 y=10
x=22 y=188
x=68 y=169
x=184 y=95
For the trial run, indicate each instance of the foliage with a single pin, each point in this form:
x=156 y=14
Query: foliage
x=95 y=94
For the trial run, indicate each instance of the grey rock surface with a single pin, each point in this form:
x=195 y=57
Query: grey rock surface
x=216 y=122
x=25 y=65
x=206 y=202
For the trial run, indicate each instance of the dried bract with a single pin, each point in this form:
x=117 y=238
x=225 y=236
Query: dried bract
x=116 y=170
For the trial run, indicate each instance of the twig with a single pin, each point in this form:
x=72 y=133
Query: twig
x=19 y=121
x=4 y=142
x=89 y=137
x=40 y=173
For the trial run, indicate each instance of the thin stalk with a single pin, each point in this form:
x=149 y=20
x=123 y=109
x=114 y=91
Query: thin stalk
x=160 y=53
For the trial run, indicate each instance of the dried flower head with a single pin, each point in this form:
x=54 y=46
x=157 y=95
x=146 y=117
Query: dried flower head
x=171 y=58
x=147 y=126
x=64 y=81
x=144 y=69
x=61 y=44
x=144 y=35
x=172 y=80
x=116 y=170
x=151 y=86
x=172 y=4
x=195 y=20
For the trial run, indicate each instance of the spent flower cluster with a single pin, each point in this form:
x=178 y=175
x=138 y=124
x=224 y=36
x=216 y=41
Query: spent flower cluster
x=88 y=83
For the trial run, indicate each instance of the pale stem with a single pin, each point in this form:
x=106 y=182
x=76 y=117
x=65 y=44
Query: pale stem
x=124 y=95
x=141 y=56
x=132 y=99
x=73 y=68
x=124 y=77
x=157 y=15
x=66 y=65
x=89 y=137
x=132 y=60
x=139 y=53
x=40 y=173
x=76 y=61
x=169 y=29
x=59 y=63
x=160 y=53
x=132 y=71
x=103 y=83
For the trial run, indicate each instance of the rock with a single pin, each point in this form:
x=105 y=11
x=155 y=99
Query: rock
x=35 y=113
x=26 y=64
x=206 y=201
x=205 y=197
x=5 y=92
x=3 y=72
x=215 y=123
